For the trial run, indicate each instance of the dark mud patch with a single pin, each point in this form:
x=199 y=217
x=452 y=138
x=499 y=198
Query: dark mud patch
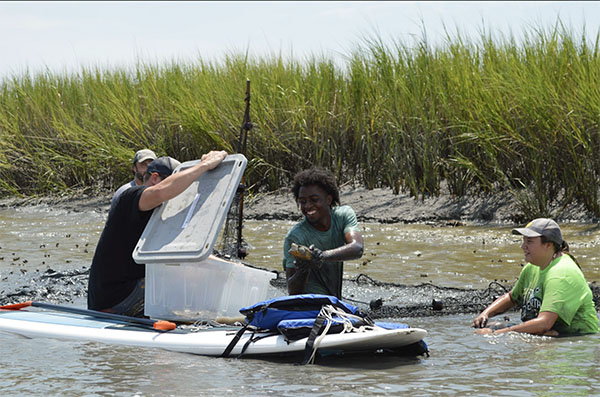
x=422 y=300
x=396 y=300
x=48 y=286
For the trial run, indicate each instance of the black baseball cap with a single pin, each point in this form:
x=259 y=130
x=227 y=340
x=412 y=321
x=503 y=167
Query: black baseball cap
x=164 y=166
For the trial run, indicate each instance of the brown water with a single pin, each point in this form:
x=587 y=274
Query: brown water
x=466 y=256
x=460 y=362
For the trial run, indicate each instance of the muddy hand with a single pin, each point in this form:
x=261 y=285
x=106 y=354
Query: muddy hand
x=316 y=254
x=480 y=321
x=300 y=252
x=306 y=256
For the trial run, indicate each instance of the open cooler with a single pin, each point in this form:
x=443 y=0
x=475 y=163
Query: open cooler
x=184 y=282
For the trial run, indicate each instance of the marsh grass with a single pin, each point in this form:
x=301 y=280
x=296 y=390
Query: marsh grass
x=487 y=115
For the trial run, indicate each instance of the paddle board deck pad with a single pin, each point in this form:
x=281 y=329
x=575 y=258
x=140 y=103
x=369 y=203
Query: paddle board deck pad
x=208 y=342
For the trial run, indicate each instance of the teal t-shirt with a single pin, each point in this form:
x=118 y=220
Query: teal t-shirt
x=560 y=288
x=328 y=279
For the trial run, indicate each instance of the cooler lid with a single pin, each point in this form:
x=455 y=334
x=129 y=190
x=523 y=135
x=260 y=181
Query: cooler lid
x=185 y=228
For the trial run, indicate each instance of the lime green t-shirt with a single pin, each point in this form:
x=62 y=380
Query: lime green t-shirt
x=328 y=279
x=560 y=288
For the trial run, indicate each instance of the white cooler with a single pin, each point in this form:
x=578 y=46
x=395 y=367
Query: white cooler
x=183 y=281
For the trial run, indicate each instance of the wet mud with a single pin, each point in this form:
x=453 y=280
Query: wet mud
x=376 y=298
x=50 y=286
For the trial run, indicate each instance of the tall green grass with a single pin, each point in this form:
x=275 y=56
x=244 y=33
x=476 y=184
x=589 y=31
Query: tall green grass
x=485 y=115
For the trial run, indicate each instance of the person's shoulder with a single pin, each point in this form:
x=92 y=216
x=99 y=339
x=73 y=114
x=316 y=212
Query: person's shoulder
x=343 y=210
x=122 y=188
x=133 y=192
x=136 y=188
x=565 y=266
x=566 y=260
x=299 y=227
x=344 y=215
x=127 y=202
x=127 y=185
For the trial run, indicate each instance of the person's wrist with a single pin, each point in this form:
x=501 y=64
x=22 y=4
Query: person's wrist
x=323 y=257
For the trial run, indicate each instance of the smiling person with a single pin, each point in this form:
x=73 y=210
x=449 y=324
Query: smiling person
x=554 y=296
x=330 y=232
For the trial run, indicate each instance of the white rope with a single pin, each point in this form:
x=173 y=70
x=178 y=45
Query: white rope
x=337 y=316
x=201 y=325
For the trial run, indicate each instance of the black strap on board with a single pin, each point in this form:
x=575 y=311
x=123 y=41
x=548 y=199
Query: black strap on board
x=310 y=342
x=234 y=341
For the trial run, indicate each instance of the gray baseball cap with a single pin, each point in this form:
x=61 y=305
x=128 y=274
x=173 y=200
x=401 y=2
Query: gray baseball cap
x=143 y=155
x=541 y=227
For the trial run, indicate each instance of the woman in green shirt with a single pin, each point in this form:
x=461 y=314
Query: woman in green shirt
x=554 y=296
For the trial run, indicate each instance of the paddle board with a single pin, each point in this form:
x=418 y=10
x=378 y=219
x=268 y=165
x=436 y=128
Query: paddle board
x=209 y=342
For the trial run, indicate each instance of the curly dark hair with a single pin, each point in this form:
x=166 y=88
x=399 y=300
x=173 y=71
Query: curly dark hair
x=320 y=177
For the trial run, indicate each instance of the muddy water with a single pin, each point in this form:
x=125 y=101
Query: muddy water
x=35 y=239
x=465 y=256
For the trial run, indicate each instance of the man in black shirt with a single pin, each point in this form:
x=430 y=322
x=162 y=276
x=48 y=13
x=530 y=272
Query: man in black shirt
x=116 y=283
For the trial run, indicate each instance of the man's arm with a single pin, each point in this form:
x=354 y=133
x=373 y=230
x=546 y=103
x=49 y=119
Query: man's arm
x=175 y=184
x=353 y=249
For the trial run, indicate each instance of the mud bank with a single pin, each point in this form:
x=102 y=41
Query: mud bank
x=383 y=206
x=376 y=205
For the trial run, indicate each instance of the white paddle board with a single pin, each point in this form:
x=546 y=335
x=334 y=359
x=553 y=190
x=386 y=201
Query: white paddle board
x=209 y=342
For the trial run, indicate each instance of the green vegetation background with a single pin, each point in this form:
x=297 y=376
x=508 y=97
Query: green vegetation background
x=481 y=116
